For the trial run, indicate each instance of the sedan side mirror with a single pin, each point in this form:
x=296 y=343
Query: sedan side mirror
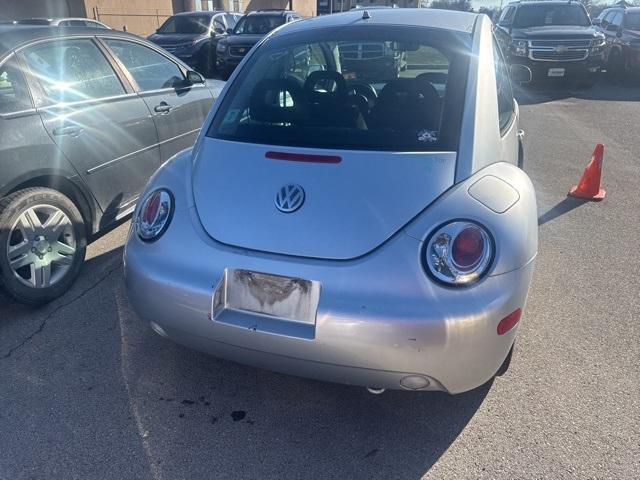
x=229 y=31
x=520 y=74
x=612 y=28
x=596 y=21
x=194 y=78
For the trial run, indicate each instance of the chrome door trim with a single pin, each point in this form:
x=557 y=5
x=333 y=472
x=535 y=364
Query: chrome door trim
x=124 y=157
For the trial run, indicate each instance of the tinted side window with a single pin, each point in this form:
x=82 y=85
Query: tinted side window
x=507 y=17
x=617 y=19
x=218 y=24
x=72 y=70
x=14 y=94
x=150 y=70
x=503 y=84
x=607 y=18
x=231 y=20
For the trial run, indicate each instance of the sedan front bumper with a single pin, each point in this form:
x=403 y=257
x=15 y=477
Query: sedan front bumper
x=381 y=321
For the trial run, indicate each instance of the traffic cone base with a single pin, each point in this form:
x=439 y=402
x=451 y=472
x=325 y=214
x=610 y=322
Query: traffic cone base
x=588 y=187
x=597 y=197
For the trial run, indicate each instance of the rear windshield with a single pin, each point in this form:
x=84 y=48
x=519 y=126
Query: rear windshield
x=258 y=24
x=371 y=88
x=194 y=24
x=553 y=14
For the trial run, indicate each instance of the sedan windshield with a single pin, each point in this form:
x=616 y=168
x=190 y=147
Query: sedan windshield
x=396 y=89
x=186 y=24
x=632 y=22
x=553 y=14
x=258 y=24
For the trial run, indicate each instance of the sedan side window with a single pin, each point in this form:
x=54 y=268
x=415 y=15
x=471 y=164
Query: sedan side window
x=503 y=84
x=71 y=71
x=14 y=93
x=150 y=70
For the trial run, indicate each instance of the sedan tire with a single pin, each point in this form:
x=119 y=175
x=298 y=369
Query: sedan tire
x=43 y=243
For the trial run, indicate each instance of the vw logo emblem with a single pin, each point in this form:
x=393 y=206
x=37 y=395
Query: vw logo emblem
x=289 y=198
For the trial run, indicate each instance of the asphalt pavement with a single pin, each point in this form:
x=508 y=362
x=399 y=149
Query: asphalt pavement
x=88 y=391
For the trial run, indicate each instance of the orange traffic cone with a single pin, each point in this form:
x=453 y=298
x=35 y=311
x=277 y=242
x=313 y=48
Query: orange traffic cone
x=589 y=185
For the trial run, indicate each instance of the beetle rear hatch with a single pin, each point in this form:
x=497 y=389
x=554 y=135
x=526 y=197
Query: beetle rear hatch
x=353 y=200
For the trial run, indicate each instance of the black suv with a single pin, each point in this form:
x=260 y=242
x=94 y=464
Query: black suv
x=249 y=30
x=621 y=27
x=555 y=39
x=193 y=36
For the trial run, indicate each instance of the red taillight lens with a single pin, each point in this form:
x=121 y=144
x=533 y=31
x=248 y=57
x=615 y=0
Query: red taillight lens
x=151 y=207
x=468 y=247
x=154 y=215
x=459 y=252
x=508 y=322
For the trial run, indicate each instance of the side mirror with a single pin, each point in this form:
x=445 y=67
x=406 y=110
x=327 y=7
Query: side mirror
x=229 y=31
x=520 y=74
x=596 y=21
x=194 y=78
x=612 y=28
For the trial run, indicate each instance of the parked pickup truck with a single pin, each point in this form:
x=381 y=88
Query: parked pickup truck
x=555 y=39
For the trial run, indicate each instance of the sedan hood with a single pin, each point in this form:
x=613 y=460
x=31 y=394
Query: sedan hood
x=350 y=207
x=555 y=32
x=249 y=40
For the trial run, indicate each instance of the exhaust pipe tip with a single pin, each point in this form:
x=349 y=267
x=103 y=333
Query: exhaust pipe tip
x=375 y=391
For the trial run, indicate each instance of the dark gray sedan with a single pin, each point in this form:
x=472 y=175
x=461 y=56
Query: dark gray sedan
x=86 y=117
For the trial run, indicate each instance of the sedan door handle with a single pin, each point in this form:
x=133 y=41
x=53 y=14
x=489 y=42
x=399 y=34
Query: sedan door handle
x=163 y=108
x=70 y=130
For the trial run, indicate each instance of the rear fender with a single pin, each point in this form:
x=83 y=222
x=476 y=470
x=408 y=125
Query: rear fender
x=500 y=197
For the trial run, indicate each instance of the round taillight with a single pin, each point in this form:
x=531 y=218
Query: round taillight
x=459 y=253
x=468 y=247
x=154 y=215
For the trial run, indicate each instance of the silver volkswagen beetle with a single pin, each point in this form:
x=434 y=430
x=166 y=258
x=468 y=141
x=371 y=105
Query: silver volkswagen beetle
x=339 y=222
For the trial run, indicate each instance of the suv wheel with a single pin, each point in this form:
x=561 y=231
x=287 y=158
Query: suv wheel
x=43 y=242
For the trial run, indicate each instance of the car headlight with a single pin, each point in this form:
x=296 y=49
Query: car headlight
x=154 y=215
x=597 y=45
x=519 y=47
x=459 y=253
x=221 y=47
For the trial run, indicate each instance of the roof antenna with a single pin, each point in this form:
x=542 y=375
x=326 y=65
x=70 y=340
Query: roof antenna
x=366 y=15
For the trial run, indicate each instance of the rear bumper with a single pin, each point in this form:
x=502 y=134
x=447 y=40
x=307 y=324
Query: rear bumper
x=379 y=323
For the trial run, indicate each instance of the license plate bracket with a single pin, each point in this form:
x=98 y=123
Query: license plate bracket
x=556 y=72
x=289 y=299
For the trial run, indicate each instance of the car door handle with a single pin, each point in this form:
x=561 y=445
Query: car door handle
x=162 y=108
x=70 y=130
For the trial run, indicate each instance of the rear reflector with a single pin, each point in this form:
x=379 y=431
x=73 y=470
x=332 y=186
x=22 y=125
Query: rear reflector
x=301 y=157
x=508 y=322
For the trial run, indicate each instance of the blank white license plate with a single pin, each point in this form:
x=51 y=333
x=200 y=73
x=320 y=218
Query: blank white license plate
x=556 y=72
x=287 y=298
